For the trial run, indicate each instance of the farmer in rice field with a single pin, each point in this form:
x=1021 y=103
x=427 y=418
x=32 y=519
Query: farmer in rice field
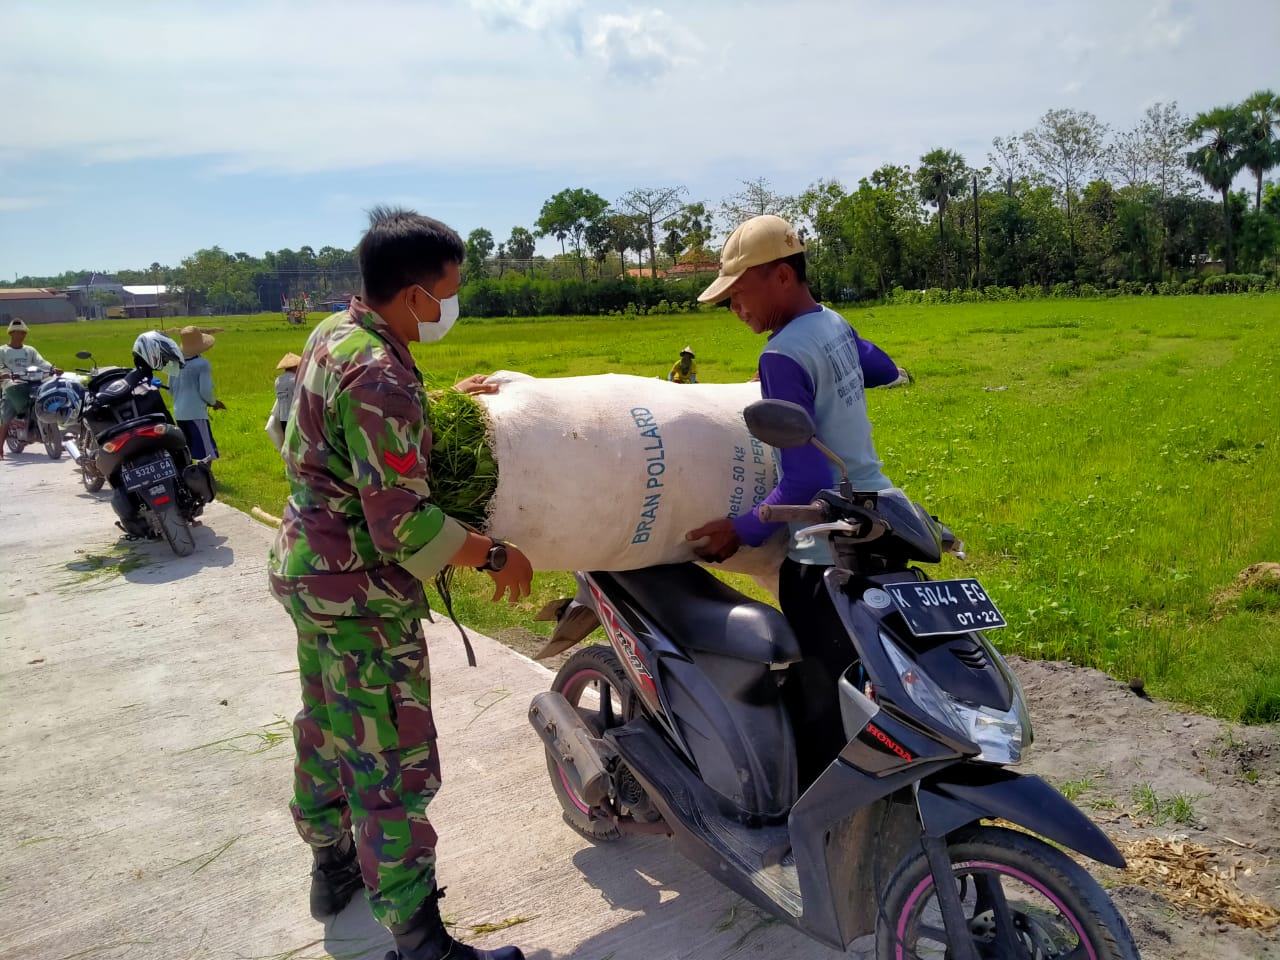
x=359 y=537
x=685 y=370
x=288 y=367
x=812 y=357
x=193 y=396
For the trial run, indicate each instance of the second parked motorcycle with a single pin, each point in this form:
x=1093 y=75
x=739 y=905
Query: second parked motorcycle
x=157 y=489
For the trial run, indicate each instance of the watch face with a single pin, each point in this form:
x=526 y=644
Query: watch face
x=497 y=557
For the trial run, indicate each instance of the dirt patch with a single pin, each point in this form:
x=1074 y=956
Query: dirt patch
x=1257 y=586
x=1193 y=801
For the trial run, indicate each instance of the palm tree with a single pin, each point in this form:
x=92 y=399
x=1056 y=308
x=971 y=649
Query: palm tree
x=1262 y=135
x=1219 y=158
x=941 y=176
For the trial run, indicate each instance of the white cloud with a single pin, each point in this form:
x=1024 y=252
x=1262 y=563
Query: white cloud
x=642 y=46
x=560 y=17
x=599 y=89
x=1167 y=25
x=22 y=203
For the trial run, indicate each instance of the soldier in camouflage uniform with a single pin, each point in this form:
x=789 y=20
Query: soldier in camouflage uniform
x=358 y=539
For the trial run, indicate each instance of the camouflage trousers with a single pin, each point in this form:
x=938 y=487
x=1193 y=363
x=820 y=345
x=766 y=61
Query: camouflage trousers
x=366 y=751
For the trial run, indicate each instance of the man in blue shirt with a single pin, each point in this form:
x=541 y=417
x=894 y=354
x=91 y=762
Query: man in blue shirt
x=193 y=396
x=815 y=359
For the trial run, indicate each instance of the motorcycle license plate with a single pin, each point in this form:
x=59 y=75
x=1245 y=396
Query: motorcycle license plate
x=141 y=475
x=935 y=607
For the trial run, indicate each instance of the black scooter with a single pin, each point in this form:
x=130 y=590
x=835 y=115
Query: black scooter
x=157 y=490
x=681 y=725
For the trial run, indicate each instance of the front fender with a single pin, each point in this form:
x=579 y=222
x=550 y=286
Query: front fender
x=961 y=794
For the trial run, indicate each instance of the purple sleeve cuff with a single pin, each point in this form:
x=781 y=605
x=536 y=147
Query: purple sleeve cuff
x=805 y=470
x=877 y=368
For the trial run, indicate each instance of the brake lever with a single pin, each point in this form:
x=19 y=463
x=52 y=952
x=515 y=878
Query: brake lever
x=878 y=528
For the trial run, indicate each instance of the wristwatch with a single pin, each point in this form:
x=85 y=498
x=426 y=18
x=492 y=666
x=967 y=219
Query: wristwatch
x=497 y=558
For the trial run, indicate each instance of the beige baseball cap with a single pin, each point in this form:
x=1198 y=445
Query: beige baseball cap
x=17 y=325
x=759 y=240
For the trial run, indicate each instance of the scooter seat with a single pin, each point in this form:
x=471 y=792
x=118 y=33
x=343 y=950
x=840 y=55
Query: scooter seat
x=699 y=612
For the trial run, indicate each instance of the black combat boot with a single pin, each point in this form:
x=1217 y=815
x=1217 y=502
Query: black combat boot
x=425 y=938
x=335 y=877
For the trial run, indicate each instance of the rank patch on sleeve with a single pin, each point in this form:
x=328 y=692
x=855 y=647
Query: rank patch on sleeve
x=401 y=463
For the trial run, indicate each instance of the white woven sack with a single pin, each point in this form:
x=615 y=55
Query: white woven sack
x=610 y=472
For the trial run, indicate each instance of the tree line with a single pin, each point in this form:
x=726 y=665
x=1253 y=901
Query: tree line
x=1068 y=202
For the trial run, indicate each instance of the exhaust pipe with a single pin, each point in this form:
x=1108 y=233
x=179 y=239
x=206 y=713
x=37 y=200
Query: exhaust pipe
x=72 y=449
x=578 y=752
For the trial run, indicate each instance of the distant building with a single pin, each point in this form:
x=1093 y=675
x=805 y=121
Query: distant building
x=98 y=295
x=94 y=293
x=336 y=304
x=145 y=300
x=690 y=268
x=35 y=306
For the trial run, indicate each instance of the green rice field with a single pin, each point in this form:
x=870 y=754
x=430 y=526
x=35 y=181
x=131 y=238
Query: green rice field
x=1111 y=464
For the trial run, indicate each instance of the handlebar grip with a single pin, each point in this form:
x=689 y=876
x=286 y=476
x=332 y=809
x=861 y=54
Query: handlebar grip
x=793 y=512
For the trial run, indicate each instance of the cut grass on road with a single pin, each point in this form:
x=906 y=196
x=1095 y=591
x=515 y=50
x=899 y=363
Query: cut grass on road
x=1110 y=463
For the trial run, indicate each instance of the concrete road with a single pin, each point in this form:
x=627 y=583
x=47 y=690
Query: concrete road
x=146 y=767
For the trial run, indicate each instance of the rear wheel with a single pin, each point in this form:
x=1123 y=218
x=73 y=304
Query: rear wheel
x=52 y=441
x=14 y=444
x=177 y=531
x=91 y=478
x=594 y=683
x=1023 y=899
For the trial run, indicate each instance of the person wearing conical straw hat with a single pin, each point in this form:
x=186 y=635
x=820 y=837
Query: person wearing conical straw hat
x=288 y=367
x=685 y=369
x=193 y=396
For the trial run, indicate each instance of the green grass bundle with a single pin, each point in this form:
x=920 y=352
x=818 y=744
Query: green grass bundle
x=463 y=474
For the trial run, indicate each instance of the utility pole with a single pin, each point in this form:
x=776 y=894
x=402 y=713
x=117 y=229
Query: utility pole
x=977 y=247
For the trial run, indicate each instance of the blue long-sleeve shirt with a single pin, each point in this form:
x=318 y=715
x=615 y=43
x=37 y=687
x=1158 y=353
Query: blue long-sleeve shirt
x=803 y=470
x=192 y=389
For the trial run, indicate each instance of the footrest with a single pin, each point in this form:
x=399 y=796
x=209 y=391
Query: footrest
x=762 y=853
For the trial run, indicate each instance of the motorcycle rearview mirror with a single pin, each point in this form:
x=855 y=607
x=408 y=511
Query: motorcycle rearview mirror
x=779 y=423
x=83 y=355
x=783 y=424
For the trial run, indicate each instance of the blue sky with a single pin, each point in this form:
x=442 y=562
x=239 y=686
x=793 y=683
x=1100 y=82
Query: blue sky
x=142 y=131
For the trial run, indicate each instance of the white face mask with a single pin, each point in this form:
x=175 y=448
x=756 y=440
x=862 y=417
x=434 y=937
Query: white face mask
x=427 y=332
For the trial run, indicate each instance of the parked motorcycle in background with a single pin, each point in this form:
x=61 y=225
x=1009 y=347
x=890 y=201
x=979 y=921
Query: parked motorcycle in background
x=157 y=489
x=27 y=428
x=683 y=724
x=79 y=439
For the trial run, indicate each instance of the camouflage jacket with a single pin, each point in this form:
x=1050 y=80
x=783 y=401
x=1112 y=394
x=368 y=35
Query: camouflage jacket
x=359 y=534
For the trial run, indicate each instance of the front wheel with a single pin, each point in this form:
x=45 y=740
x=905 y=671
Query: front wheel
x=90 y=475
x=14 y=444
x=177 y=531
x=1024 y=900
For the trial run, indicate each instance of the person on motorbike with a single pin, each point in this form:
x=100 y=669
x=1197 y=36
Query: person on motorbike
x=814 y=358
x=15 y=358
x=359 y=537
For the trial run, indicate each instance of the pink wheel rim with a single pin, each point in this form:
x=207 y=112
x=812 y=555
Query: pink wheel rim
x=997 y=868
